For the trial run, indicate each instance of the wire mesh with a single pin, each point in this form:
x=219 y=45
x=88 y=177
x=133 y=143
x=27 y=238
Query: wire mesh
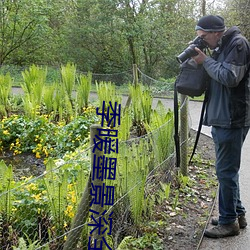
x=158 y=87
x=55 y=205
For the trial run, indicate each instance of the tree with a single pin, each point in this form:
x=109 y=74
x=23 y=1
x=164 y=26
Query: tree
x=109 y=36
x=102 y=36
x=237 y=13
x=94 y=39
x=20 y=22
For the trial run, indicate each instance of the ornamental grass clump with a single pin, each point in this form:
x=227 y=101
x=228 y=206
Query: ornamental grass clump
x=106 y=92
x=68 y=75
x=33 y=85
x=83 y=91
x=160 y=131
x=5 y=91
x=141 y=110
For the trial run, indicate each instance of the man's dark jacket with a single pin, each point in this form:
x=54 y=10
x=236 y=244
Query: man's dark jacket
x=229 y=90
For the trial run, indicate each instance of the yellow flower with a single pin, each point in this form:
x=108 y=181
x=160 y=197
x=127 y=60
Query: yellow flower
x=73 y=199
x=31 y=187
x=6 y=132
x=14 y=209
x=45 y=151
x=38 y=155
x=17 y=152
x=37 y=196
x=69 y=211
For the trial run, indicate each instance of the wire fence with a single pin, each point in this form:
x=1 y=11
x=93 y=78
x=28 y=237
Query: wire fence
x=158 y=87
x=56 y=207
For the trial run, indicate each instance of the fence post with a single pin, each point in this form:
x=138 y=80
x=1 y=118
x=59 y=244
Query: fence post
x=79 y=219
x=84 y=205
x=184 y=135
x=96 y=182
x=135 y=82
x=135 y=74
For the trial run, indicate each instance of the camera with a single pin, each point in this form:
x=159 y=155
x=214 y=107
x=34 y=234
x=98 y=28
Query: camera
x=190 y=51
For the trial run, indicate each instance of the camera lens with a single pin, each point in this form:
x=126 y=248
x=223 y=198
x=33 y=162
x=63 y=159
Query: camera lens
x=190 y=50
x=187 y=53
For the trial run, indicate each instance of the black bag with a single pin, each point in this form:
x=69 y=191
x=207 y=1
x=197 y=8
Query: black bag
x=192 y=80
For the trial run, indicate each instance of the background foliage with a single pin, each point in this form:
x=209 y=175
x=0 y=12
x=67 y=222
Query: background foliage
x=106 y=36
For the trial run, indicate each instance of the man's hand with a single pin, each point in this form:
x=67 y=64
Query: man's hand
x=200 y=58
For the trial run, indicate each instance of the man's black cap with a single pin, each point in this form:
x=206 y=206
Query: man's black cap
x=211 y=23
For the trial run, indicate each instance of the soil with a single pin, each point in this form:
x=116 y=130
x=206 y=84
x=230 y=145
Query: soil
x=25 y=164
x=188 y=221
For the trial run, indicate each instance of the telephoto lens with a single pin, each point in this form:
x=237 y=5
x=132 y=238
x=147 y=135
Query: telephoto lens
x=190 y=50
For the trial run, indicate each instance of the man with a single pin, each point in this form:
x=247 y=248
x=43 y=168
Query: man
x=228 y=112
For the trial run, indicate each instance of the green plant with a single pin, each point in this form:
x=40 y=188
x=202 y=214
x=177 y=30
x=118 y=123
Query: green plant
x=83 y=91
x=176 y=199
x=29 y=245
x=62 y=104
x=56 y=187
x=23 y=134
x=5 y=90
x=147 y=241
x=58 y=102
x=132 y=172
x=34 y=81
x=30 y=208
x=48 y=98
x=43 y=137
x=146 y=102
x=184 y=181
x=6 y=205
x=141 y=110
x=125 y=126
x=35 y=77
x=165 y=189
x=161 y=128
x=107 y=93
x=68 y=74
x=6 y=196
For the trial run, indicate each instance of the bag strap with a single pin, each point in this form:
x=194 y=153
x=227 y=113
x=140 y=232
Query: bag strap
x=199 y=127
x=176 y=126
